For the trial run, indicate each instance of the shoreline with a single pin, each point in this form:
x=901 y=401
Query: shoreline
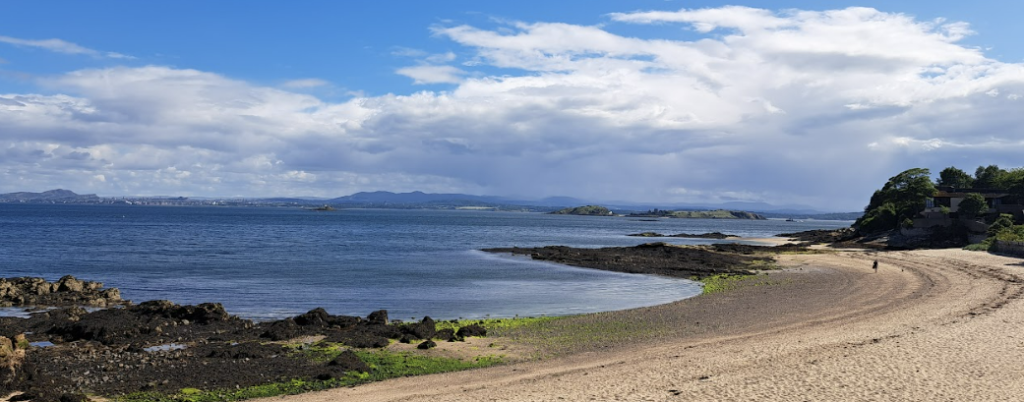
x=931 y=324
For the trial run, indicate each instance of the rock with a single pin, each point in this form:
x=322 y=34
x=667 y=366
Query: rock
x=471 y=330
x=68 y=283
x=317 y=316
x=646 y=234
x=446 y=334
x=424 y=329
x=379 y=317
x=67 y=291
x=348 y=361
x=427 y=344
x=12 y=355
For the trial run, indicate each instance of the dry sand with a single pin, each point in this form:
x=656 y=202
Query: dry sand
x=930 y=325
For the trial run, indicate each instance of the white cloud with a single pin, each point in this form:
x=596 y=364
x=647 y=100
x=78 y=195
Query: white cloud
x=429 y=74
x=61 y=46
x=793 y=107
x=306 y=83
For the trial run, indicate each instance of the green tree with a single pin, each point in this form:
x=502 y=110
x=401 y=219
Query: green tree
x=1002 y=222
x=1013 y=182
x=973 y=205
x=902 y=198
x=956 y=178
x=988 y=176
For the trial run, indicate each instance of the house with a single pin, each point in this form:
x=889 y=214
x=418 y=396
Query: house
x=999 y=201
x=950 y=197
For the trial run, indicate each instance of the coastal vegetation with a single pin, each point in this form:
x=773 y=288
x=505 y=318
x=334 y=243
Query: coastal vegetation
x=593 y=210
x=958 y=201
x=898 y=201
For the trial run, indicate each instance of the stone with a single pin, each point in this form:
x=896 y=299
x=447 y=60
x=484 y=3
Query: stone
x=427 y=344
x=471 y=330
x=379 y=317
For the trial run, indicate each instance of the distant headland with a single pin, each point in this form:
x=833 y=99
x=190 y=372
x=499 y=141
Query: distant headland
x=420 y=200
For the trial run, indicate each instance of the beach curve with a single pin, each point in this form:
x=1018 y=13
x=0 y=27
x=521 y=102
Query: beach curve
x=931 y=324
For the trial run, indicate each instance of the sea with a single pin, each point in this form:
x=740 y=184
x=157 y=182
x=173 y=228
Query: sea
x=266 y=263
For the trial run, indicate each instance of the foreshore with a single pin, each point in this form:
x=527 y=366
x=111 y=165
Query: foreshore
x=929 y=325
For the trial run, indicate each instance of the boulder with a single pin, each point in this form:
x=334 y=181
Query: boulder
x=427 y=344
x=425 y=329
x=379 y=317
x=471 y=330
x=68 y=283
x=446 y=334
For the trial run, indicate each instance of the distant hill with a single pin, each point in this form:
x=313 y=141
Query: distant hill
x=712 y=214
x=595 y=210
x=58 y=196
x=832 y=216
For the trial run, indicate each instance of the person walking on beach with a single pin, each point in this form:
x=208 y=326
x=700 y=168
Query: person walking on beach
x=875 y=266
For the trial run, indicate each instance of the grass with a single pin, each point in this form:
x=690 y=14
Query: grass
x=384 y=365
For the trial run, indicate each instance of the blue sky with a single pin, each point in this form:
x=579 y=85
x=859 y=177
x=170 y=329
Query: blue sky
x=786 y=102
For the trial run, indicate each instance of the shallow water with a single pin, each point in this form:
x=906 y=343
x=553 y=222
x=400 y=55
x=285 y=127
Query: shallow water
x=267 y=263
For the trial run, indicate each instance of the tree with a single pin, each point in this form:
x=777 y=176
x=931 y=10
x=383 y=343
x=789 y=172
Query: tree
x=902 y=198
x=988 y=176
x=1002 y=222
x=1013 y=182
x=956 y=178
x=973 y=205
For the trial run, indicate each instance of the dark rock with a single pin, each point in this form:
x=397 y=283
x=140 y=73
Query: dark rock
x=317 y=316
x=379 y=317
x=424 y=329
x=281 y=330
x=427 y=344
x=471 y=330
x=446 y=334
x=657 y=258
x=348 y=361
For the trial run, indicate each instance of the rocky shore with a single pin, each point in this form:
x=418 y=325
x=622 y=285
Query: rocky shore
x=67 y=291
x=63 y=351
x=712 y=235
x=660 y=258
x=157 y=346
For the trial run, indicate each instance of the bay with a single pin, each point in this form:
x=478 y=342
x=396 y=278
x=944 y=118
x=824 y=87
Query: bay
x=267 y=263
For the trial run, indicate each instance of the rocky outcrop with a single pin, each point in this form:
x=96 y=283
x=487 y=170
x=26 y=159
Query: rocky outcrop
x=659 y=258
x=591 y=210
x=712 y=235
x=67 y=291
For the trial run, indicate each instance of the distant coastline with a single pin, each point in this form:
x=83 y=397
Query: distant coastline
x=413 y=200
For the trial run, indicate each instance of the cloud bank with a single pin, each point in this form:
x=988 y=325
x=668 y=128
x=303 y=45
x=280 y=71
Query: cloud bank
x=800 y=107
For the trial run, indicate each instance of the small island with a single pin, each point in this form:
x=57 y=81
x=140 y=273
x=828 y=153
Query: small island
x=591 y=210
x=710 y=214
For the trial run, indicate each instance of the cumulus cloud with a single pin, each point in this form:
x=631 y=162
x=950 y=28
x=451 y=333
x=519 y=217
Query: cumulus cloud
x=61 y=46
x=803 y=107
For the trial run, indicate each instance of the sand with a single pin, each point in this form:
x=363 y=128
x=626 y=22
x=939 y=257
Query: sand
x=930 y=325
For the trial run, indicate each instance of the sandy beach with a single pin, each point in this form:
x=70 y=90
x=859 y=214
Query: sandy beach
x=929 y=325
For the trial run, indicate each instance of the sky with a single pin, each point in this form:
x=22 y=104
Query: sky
x=810 y=103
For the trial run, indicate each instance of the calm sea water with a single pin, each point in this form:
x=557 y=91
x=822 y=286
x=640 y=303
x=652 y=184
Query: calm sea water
x=265 y=263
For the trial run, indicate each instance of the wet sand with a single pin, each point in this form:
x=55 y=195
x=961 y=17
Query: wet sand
x=930 y=325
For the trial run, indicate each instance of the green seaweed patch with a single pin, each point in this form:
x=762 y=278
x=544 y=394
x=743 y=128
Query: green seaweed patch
x=723 y=282
x=384 y=364
x=497 y=326
x=563 y=335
